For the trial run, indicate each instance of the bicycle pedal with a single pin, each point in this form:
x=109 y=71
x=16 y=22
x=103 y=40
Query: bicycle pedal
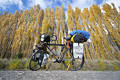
x=58 y=61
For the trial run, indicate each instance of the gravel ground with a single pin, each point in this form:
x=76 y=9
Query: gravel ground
x=59 y=75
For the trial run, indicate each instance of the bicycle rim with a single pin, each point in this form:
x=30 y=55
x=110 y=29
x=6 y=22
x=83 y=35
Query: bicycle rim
x=34 y=64
x=74 y=65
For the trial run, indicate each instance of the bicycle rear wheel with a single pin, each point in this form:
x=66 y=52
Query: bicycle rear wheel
x=73 y=64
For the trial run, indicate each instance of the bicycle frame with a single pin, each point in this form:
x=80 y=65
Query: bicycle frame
x=67 y=46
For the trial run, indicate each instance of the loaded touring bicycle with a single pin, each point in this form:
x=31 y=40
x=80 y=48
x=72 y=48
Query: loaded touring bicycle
x=71 y=53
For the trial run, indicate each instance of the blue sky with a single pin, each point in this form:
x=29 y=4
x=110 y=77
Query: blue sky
x=13 y=5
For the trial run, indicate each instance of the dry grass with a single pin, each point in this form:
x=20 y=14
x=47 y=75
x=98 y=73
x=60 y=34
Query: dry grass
x=94 y=65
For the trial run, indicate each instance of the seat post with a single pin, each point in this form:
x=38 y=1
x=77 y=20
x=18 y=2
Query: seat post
x=68 y=44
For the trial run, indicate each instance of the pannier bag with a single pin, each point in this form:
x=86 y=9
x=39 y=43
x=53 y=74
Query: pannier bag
x=45 y=38
x=78 y=38
x=78 y=50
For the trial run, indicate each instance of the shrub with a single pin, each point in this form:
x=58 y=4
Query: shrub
x=102 y=66
x=115 y=67
x=4 y=64
x=16 y=64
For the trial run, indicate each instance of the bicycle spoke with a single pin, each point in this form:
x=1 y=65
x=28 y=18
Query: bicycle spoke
x=36 y=65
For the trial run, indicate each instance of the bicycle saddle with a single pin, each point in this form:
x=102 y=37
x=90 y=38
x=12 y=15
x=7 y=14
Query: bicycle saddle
x=67 y=38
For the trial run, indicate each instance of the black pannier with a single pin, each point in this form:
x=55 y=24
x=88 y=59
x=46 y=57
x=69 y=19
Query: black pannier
x=45 y=38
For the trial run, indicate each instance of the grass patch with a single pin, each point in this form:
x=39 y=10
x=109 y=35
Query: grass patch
x=14 y=64
x=101 y=65
x=91 y=65
x=4 y=63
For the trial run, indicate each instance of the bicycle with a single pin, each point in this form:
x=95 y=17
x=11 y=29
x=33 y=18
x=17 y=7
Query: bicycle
x=43 y=52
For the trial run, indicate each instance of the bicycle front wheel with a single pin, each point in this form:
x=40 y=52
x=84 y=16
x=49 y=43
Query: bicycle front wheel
x=36 y=61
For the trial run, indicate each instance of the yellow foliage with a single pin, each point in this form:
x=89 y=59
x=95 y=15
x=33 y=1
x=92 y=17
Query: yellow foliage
x=20 y=30
x=45 y=26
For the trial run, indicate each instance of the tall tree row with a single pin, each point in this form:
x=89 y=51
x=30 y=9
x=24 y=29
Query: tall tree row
x=20 y=31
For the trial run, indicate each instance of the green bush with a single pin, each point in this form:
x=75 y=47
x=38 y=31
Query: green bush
x=16 y=64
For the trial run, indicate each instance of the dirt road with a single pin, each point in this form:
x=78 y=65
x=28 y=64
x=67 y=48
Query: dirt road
x=59 y=75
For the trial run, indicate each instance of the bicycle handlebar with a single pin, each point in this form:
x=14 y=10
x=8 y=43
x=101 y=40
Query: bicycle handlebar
x=53 y=37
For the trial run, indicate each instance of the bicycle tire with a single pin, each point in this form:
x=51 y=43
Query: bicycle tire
x=37 y=66
x=71 y=65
